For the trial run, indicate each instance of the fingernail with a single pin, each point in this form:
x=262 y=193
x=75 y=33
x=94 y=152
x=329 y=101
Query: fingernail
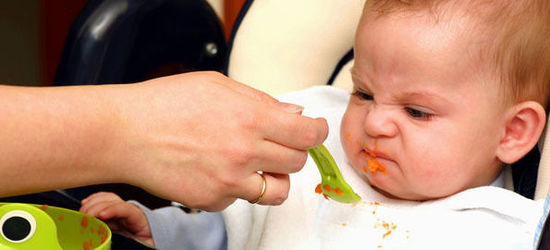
x=292 y=108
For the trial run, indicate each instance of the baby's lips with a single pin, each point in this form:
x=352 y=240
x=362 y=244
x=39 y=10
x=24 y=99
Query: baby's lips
x=377 y=154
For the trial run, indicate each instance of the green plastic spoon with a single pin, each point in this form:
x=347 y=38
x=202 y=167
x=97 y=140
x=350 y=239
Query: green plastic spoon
x=332 y=182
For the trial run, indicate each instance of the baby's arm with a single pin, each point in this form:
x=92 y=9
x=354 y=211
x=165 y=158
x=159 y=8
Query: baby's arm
x=122 y=217
x=163 y=228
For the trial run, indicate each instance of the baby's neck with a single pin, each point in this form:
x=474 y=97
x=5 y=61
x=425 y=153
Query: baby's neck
x=499 y=181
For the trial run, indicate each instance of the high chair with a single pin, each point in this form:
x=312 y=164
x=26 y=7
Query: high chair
x=122 y=41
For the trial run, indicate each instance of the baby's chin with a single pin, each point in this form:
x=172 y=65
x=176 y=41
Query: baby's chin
x=387 y=194
x=385 y=188
x=381 y=188
x=366 y=179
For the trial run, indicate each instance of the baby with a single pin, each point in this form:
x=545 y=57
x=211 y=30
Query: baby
x=446 y=93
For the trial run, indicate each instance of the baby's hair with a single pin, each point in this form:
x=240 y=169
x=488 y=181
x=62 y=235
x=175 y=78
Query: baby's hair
x=518 y=32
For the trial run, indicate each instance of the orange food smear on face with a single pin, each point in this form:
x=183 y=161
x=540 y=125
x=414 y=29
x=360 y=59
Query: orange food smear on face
x=372 y=154
x=44 y=207
x=60 y=217
x=338 y=191
x=374 y=166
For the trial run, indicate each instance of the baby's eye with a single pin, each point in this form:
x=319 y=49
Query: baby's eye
x=417 y=114
x=363 y=95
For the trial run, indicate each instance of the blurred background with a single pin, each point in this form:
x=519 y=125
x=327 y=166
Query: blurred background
x=33 y=34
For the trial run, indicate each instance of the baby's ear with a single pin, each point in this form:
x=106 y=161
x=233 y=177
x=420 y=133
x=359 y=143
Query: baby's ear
x=524 y=125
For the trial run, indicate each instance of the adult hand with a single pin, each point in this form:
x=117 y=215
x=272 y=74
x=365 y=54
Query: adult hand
x=200 y=138
x=196 y=138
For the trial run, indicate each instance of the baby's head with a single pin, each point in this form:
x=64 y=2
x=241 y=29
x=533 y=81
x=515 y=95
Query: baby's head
x=446 y=92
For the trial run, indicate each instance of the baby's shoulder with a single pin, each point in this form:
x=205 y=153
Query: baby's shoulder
x=492 y=201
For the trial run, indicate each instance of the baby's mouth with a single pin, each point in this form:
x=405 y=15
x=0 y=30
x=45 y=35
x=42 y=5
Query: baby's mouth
x=376 y=154
x=373 y=165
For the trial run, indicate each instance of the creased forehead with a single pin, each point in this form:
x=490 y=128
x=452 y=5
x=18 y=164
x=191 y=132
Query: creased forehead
x=513 y=37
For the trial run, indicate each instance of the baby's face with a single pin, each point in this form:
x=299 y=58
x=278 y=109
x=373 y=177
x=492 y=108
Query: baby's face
x=422 y=104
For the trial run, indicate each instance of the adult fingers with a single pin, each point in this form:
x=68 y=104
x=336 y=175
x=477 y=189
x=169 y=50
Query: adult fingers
x=282 y=124
x=258 y=95
x=275 y=158
x=294 y=131
x=276 y=188
x=245 y=89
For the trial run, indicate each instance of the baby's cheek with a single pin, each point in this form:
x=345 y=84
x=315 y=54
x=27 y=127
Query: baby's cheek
x=350 y=149
x=433 y=180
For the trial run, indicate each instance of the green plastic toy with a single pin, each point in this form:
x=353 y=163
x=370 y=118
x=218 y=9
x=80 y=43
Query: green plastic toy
x=29 y=226
x=332 y=184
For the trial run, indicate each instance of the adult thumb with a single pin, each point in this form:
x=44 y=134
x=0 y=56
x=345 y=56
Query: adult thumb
x=290 y=107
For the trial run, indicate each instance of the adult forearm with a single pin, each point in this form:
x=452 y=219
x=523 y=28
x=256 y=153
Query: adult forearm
x=197 y=138
x=54 y=138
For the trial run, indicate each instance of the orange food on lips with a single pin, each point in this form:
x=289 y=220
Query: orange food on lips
x=372 y=164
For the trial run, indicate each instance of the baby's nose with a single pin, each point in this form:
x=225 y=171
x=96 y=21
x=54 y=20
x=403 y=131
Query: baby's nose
x=380 y=122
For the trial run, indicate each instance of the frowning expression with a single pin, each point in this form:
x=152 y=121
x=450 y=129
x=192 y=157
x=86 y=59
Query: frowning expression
x=421 y=108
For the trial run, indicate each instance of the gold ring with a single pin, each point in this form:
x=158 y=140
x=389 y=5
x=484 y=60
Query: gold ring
x=264 y=187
